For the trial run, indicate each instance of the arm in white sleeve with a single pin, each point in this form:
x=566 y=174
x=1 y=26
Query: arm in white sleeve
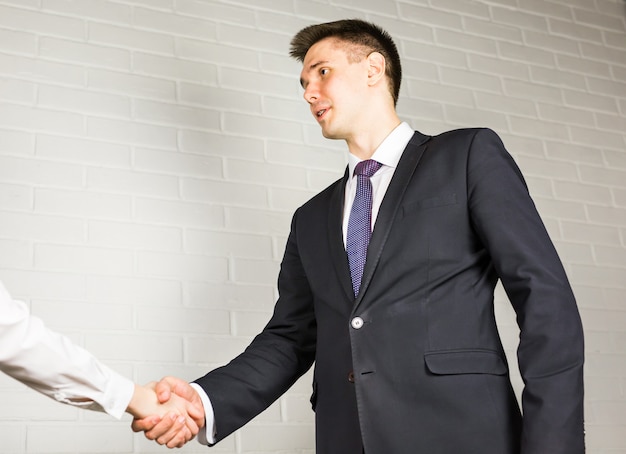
x=206 y=436
x=53 y=365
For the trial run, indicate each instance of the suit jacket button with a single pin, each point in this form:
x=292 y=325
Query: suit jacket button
x=351 y=377
x=356 y=323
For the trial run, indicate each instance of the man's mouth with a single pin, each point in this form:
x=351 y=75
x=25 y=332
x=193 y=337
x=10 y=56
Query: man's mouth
x=320 y=113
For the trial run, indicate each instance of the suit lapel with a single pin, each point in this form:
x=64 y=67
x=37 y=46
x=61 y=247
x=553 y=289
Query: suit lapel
x=389 y=207
x=335 y=229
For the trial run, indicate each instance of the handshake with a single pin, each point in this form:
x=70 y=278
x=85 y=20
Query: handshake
x=169 y=411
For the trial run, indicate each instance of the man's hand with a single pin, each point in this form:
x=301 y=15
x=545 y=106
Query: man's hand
x=171 y=430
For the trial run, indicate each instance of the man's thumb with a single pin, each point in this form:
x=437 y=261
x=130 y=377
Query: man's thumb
x=163 y=390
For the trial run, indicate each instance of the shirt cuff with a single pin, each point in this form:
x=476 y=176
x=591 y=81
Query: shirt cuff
x=119 y=392
x=206 y=436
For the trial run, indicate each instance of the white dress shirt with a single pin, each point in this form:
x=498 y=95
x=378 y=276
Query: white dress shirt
x=388 y=154
x=53 y=365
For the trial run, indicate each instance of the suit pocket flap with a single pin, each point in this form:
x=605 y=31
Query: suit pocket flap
x=430 y=202
x=465 y=362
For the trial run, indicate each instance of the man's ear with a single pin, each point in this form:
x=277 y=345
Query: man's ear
x=376 y=68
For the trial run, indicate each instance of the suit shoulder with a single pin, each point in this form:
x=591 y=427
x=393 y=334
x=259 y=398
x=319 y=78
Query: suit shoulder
x=465 y=134
x=467 y=139
x=322 y=197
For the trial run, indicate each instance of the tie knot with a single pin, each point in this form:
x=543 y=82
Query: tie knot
x=367 y=167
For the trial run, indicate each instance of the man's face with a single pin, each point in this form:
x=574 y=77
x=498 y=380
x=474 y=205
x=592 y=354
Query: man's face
x=335 y=88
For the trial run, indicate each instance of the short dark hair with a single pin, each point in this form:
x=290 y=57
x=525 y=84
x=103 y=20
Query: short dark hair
x=368 y=36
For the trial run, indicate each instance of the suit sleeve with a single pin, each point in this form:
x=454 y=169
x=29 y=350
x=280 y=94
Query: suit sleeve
x=275 y=359
x=550 y=351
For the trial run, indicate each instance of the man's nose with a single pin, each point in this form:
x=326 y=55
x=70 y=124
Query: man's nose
x=310 y=94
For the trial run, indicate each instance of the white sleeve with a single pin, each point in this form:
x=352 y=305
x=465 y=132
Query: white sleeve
x=206 y=436
x=53 y=365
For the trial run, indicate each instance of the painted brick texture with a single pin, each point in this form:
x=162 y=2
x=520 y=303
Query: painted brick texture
x=152 y=153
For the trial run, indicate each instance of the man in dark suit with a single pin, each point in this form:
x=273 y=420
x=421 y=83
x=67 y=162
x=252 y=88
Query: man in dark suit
x=406 y=350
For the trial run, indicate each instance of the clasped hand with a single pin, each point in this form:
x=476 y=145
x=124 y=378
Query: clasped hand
x=177 y=416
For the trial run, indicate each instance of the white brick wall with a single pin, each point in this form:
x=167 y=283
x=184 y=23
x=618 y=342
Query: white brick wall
x=152 y=152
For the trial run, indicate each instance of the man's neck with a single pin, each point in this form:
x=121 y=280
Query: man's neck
x=364 y=143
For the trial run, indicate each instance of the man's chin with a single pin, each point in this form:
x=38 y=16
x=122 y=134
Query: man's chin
x=329 y=134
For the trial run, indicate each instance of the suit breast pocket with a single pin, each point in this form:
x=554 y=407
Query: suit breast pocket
x=429 y=203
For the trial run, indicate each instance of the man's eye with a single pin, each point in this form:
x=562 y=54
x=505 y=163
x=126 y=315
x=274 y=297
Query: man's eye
x=323 y=71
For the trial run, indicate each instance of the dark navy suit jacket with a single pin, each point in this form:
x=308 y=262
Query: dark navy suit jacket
x=415 y=364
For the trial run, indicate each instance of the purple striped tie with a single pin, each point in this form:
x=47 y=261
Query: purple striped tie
x=360 y=221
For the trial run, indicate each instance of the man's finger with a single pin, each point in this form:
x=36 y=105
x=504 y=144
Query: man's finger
x=142 y=425
x=180 y=439
x=176 y=433
x=162 y=428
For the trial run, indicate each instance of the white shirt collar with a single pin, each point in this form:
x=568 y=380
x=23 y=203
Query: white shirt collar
x=390 y=150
